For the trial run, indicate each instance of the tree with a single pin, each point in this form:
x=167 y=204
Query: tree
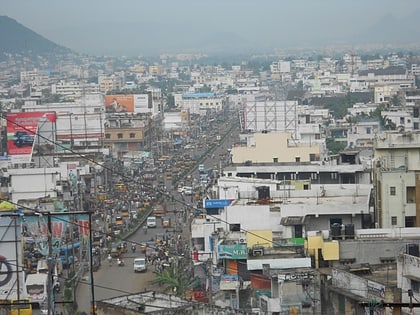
x=175 y=279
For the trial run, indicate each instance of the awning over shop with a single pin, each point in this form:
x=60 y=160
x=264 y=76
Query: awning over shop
x=292 y=220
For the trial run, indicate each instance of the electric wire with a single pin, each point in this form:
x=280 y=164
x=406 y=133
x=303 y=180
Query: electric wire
x=131 y=179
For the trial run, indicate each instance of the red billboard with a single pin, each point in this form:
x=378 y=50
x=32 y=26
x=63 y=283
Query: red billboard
x=22 y=129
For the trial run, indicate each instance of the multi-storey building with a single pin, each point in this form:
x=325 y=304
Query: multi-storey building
x=74 y=88
x=396 y=180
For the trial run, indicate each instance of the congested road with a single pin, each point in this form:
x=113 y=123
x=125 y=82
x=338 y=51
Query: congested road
x=112 y=281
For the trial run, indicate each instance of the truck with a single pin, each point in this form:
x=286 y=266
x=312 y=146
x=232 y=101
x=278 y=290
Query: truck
x=159 y=210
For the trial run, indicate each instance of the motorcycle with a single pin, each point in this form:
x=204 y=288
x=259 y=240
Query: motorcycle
x=120 y=262
x=133 y=248
x=145 y=229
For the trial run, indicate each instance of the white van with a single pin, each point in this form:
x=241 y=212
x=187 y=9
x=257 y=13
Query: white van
x=139 y=264
x=151 y=222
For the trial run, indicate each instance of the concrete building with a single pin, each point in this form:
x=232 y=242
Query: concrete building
x=275 y=148
x=74 y=88
x=157 y=303
x=396 y=182
x=200 y=103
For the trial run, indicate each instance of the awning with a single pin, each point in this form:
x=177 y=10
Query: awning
x=293 y=220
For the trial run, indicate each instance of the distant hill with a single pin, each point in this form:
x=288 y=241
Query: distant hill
x=16 y=38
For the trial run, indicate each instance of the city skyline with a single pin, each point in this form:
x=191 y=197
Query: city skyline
x=142 y=28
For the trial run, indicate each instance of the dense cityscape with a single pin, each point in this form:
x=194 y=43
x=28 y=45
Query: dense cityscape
x=199 y=183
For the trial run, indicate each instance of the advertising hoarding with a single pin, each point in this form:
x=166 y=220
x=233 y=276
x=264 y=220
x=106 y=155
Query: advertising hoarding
x=10 y=259
x=22 y=131
x=142 y=103
x=119 y=103
x=128 y=103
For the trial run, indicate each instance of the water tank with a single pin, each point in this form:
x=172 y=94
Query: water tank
x=412 y=249
x=349 y=231
x=336 y=231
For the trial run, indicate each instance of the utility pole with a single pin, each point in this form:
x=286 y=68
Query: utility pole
x=50 y=283
x=92 y=289
x=210 y=279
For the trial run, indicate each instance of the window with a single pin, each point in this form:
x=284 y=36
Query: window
x=402 y=120
x=120 y=136
x=297 y=159
x=334 y=176
x=368 y=130
x=416 y=126
x=132 y=135
x=392 y=191
x=317 y=136
x=107 y=136
x=312 y=157
x=410 y=221
x=411 y=194
x=415 y=286
x=394 y=221
x=275 y=160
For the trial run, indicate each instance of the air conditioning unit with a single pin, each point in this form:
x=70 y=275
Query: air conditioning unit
x=242 y=241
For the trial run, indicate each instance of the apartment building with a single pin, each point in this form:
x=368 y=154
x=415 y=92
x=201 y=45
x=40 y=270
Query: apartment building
x=110 y=83
x=74 y=88
x=396 y=182
x=199 y=103
x=274 y=148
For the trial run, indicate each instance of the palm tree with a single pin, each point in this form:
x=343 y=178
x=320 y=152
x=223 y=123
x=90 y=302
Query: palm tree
x=175 y=279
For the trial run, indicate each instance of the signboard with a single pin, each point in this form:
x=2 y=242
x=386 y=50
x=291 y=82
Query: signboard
x=217 y=203
x=236 y=251
x=22 y=131
x=229 y=282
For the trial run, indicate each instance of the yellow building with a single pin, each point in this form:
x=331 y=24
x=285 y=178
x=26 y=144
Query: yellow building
x=275 y=148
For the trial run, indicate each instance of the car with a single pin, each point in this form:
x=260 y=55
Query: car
x=151 y=222
x=140 y=265
x=187 y=190
x=23 y=139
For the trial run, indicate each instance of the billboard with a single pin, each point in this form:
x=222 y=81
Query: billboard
x=36 y=227
x=119 y=103
x=142 y=103
x=129 y=103
x=11 y=270
x=23 y=130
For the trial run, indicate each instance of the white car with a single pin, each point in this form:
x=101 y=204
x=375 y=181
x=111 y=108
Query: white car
x=139 y=264
x=151 y=222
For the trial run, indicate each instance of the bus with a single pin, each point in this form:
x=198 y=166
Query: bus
x=36 y=287
x=20 y=307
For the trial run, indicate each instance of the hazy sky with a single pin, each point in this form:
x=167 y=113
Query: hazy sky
x=142 y=27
